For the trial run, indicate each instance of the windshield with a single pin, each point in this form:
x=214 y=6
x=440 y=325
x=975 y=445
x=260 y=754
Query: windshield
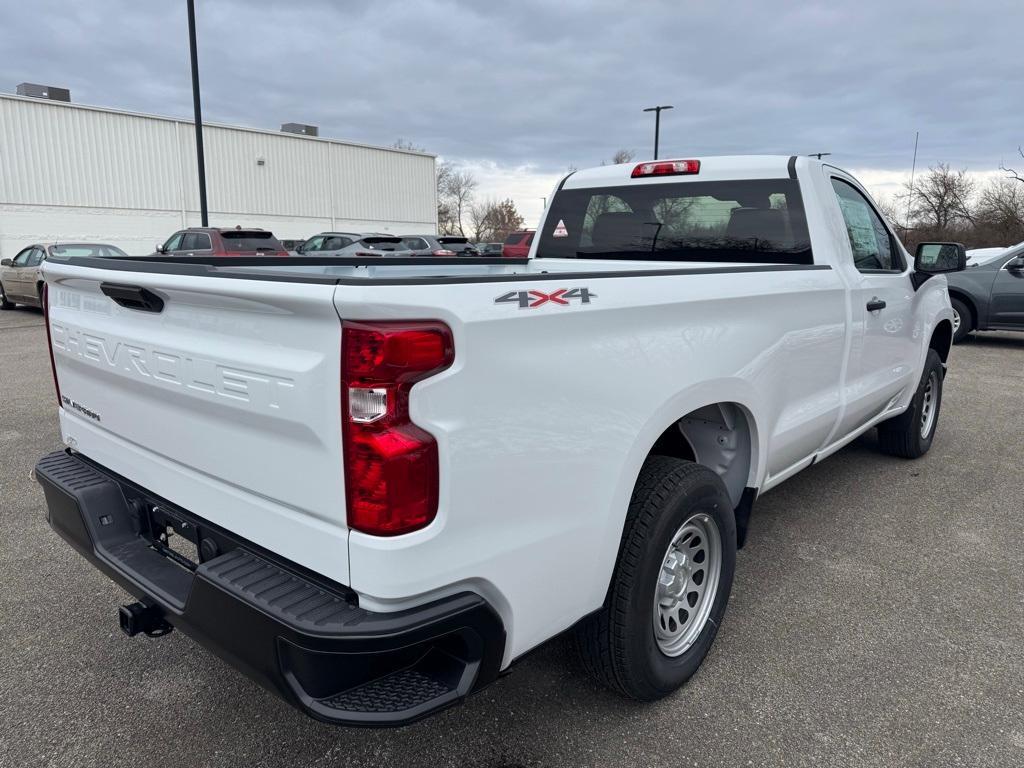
x=748 y=221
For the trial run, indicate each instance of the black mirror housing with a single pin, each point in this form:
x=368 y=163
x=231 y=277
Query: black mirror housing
x=6 y=262
x=936 y=259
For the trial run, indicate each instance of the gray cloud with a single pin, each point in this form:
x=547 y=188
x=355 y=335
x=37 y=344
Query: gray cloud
x=551 y=84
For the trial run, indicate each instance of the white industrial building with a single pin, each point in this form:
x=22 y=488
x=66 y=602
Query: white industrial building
x=70 y=172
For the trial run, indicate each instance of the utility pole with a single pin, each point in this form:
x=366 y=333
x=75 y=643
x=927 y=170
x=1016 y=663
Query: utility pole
x=657 y=124
x=200 y=158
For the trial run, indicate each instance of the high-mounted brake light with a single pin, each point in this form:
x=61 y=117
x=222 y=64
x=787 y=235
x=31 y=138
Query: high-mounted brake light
x=667 y=168
x=49 y=341
x=391 y=465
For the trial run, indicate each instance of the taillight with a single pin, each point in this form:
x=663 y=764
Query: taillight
x=444 y=252
x=667 y=168
x=49 y=340
x=391 y=465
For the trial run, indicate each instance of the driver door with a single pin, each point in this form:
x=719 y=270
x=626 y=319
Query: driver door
x=1007 y=307
x=16 y=274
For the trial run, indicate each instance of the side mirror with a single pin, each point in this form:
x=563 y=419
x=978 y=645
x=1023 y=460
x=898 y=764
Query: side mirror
x=6 y=263
x=936 y=258
x=160 y=248
x=1016 y=264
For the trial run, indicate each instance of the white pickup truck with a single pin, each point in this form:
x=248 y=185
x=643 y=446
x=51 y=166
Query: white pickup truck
x=373 y=484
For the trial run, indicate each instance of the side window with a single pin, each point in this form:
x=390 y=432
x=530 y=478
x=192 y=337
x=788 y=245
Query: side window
x=313 y=244
x=174 y=244
x=35 y=258
x=414 y=243
x=872 y=245
x=21 y=259
x=196 y=241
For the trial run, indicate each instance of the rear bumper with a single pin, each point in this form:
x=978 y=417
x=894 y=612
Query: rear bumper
x=302 y=638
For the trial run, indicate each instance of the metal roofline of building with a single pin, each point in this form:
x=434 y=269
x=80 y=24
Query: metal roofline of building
x=191 y=123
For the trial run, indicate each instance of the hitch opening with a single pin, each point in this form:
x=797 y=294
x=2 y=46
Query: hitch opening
x=142 y=617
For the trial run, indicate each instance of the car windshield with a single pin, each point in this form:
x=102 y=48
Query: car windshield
x=86 y=249
x=746 y=221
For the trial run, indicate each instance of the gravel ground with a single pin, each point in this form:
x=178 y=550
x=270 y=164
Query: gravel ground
x=877 y=619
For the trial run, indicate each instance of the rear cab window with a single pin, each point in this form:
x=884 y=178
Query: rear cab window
x=759 y=221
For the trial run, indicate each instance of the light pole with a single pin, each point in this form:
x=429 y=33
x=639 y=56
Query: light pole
x=200 y=159
x=657 y=124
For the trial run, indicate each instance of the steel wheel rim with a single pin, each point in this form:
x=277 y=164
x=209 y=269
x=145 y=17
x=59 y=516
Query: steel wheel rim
x=956 y=321
x=928 y=404
x=687 y=584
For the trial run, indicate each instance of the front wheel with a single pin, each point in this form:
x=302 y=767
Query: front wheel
x=910 y=434
x=963 y=320
x=671 y=583
x=4 y=303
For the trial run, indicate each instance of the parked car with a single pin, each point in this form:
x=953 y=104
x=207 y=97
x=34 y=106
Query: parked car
x=440 y=245
x=21 y=279
x=489 y=249
x=327 y=241
x=364 y=245
x=989 y=294
x=493 y=454
x=292 y=246
x=517 y=244
x=211 y=241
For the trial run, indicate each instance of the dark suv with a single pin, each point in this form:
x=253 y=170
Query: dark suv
x=208 y=241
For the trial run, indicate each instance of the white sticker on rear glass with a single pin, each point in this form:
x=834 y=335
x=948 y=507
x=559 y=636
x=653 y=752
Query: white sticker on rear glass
x=560 y=230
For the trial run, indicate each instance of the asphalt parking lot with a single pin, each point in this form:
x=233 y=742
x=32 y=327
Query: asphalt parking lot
x=877 y=619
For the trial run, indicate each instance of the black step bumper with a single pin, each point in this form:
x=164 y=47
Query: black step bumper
x=300 y=637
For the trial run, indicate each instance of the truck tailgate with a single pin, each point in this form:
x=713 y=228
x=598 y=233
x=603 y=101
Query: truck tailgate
x=225 y=402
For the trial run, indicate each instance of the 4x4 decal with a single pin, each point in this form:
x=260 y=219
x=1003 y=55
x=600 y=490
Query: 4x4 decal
x=534 y=299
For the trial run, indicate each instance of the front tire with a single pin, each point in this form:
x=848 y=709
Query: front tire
x=671 y=583
x=4 y=303
x=963 y=320
x=910 y=434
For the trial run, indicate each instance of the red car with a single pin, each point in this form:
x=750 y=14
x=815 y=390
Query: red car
x=517 y=245
x=209 y=241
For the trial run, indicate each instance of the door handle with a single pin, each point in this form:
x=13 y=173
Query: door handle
x=875 y=304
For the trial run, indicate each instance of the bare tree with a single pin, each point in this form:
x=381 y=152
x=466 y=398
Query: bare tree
x=940 y=199
x=493 y=221
x=999 y=214
x=445 y=211
x=457 y=194
x=1013 y=174
x=622 y=156
x=401 y=143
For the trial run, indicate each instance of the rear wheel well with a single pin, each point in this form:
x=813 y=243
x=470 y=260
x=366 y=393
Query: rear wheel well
x=942 y=339
x=720 y=437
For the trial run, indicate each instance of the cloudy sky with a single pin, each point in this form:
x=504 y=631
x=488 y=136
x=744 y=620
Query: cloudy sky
x=519 y=91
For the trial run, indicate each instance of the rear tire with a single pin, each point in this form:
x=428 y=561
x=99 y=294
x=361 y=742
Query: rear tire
x=4 y=303
x=679 y=527
x=910 y=434
x=963 y=320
